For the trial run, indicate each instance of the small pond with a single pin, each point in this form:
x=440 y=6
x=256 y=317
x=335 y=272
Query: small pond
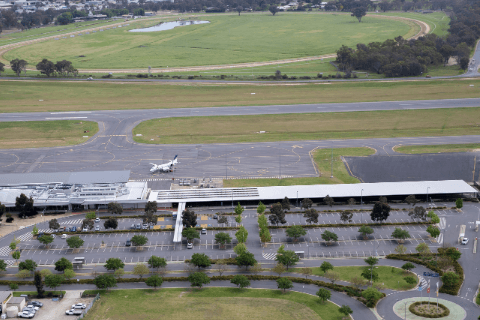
x=168 y=26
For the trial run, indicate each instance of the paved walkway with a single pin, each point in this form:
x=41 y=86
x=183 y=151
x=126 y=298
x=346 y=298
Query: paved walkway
x=456 y=311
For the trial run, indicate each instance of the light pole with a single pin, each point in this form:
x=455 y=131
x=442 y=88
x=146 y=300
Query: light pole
x=331 y=166
x=427 y=195
x=297 y=198
x=361 y=197
x=308 y=251
x=405 y=302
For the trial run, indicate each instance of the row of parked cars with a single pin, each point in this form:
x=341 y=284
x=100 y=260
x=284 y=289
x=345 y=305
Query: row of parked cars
x=30 y=310
x=76 y=310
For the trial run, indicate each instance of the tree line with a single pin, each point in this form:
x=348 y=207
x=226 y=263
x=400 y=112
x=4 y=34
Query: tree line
x=400 y=58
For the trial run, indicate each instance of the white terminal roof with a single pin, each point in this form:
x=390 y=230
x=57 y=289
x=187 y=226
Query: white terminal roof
x=314 y=191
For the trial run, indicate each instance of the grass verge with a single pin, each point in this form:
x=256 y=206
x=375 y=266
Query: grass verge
x=323 y=161
x=34 y=293
x=441 y=148
x=24 y=96
x=314 y=126
x=391 y=277
x=210 y=303
x=40 y=134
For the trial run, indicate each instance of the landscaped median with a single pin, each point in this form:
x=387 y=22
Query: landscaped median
x=346 y=225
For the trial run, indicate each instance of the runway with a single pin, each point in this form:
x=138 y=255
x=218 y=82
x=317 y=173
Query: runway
x=112 y=148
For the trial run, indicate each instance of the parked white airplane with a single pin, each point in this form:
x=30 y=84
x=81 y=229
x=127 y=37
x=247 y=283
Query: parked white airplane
x=167 y=167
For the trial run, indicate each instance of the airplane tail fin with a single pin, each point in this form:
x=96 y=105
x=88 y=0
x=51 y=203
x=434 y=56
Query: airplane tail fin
x=175 y=161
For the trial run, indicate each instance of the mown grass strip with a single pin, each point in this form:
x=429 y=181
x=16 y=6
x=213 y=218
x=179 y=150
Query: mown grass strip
x=441 y=148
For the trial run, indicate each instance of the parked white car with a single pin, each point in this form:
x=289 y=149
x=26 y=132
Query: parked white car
x=79 y=306
x=25 y=314
x=465 y=241
x=64 y=236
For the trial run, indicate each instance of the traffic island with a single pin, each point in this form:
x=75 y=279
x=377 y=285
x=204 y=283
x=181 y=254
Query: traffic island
x=419 y=308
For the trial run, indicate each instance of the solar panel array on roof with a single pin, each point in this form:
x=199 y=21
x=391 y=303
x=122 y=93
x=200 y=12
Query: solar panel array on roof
x=87 y=177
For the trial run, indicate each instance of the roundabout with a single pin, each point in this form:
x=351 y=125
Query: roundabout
x=402 y=309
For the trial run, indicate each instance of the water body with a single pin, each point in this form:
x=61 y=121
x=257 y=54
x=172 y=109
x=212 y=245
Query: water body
x=168 y=26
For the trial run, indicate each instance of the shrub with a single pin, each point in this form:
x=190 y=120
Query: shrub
x=445 y=312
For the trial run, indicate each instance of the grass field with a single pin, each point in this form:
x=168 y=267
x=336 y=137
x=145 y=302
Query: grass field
x=322 y=158
x=210 y=303
x=391 y=280
x=317 y=126
x=227 y=39
x=24 y=96
x=441 y=148
x=39 y=134
x=438 y=21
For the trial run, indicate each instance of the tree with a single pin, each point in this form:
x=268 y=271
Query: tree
x=295 y=232
x=323 y=294
x=359 y=12
x=346 y=310
x=311 y=215
x=53 y=281
x=221 y=266
x=265 y=235
x=24 y=206
x=114 y=264
x=13 y=244
x=279 y=268
x=190 y=234
x=277 y=215
x=332 y=276
x=411 y=200
x=383 y=200
x=91 y=215
x=306 y=272
x=433 y=231
x=150 y=218
x=346 y=216
x=53 y=224
x=418 y=213
x=401 y=249
x=325 y=266
x=453 y=253
x=423 y=249
x=189 y=218
x=464 y=63
x=459 y=201
x=261 y=208
x=240 y=281
x=400 y=234
x=286 y=204
x=246 y=259
x=63 y=264
x=16 y=255
x=222 y=238
x=37 y=281
x=358 y=282
x=45 y=239
x=433 y=217
x=410 y=280
x=329 y=236
x=239 y=209
x=200 y=260
x=328 y=201
x=151 y=206
x=256 y=269
x=154 y=281
x=371 y=261
x=365 y=231
x=46 y=67
x=139 y=240
x=23 y=274
x=273 y=9
x=284 y=283
x=287 y=258
x=450 y=279
x=385 y=5
x=69 y=274
x=3 y=265
x=28 y=264
x=157 y=262
x=444 y=262
x=140 y=269
x=114 y=208
x=13 y=286
x=307 y=203
x=198 y=279
x=88 y=224
x=371 y=295
x=240 y=248
x=105 y=281
x=2 y=69
x=380 y=212
x=119 y=273
x=74 y=242
x=111 y=223
x=408 y=266
x=241 y=235
x=239 y=9
x=222 y=219
x=18 y=66
x=35 y=230
x=65 y=18
x=351 y=202
x=370 y=274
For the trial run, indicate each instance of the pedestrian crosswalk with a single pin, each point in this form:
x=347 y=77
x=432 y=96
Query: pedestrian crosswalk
x=269 y=255
x=423 y=283
x=28 y=236
x=10 y=262
x=5 y=251
x=76 y=221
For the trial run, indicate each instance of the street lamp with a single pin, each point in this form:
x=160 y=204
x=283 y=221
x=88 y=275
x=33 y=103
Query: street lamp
x=297 y=198
x=405 y=302
x=427 y=195
x=361 y=197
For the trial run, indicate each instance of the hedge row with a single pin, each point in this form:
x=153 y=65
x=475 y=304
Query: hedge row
x=135 y=217
x=414 y=257
x=445 y=312
x=230 y=261
x=330 y=225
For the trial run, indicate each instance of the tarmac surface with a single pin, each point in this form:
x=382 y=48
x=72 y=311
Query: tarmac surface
x=113 y=148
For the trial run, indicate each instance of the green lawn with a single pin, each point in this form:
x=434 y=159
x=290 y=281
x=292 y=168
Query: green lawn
x=441 y=148
x=391 y=280
x=438 y=21
x=322 y=158
x=229 y=38
x=316 y=126
x=210 y=303
x=40 y=134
